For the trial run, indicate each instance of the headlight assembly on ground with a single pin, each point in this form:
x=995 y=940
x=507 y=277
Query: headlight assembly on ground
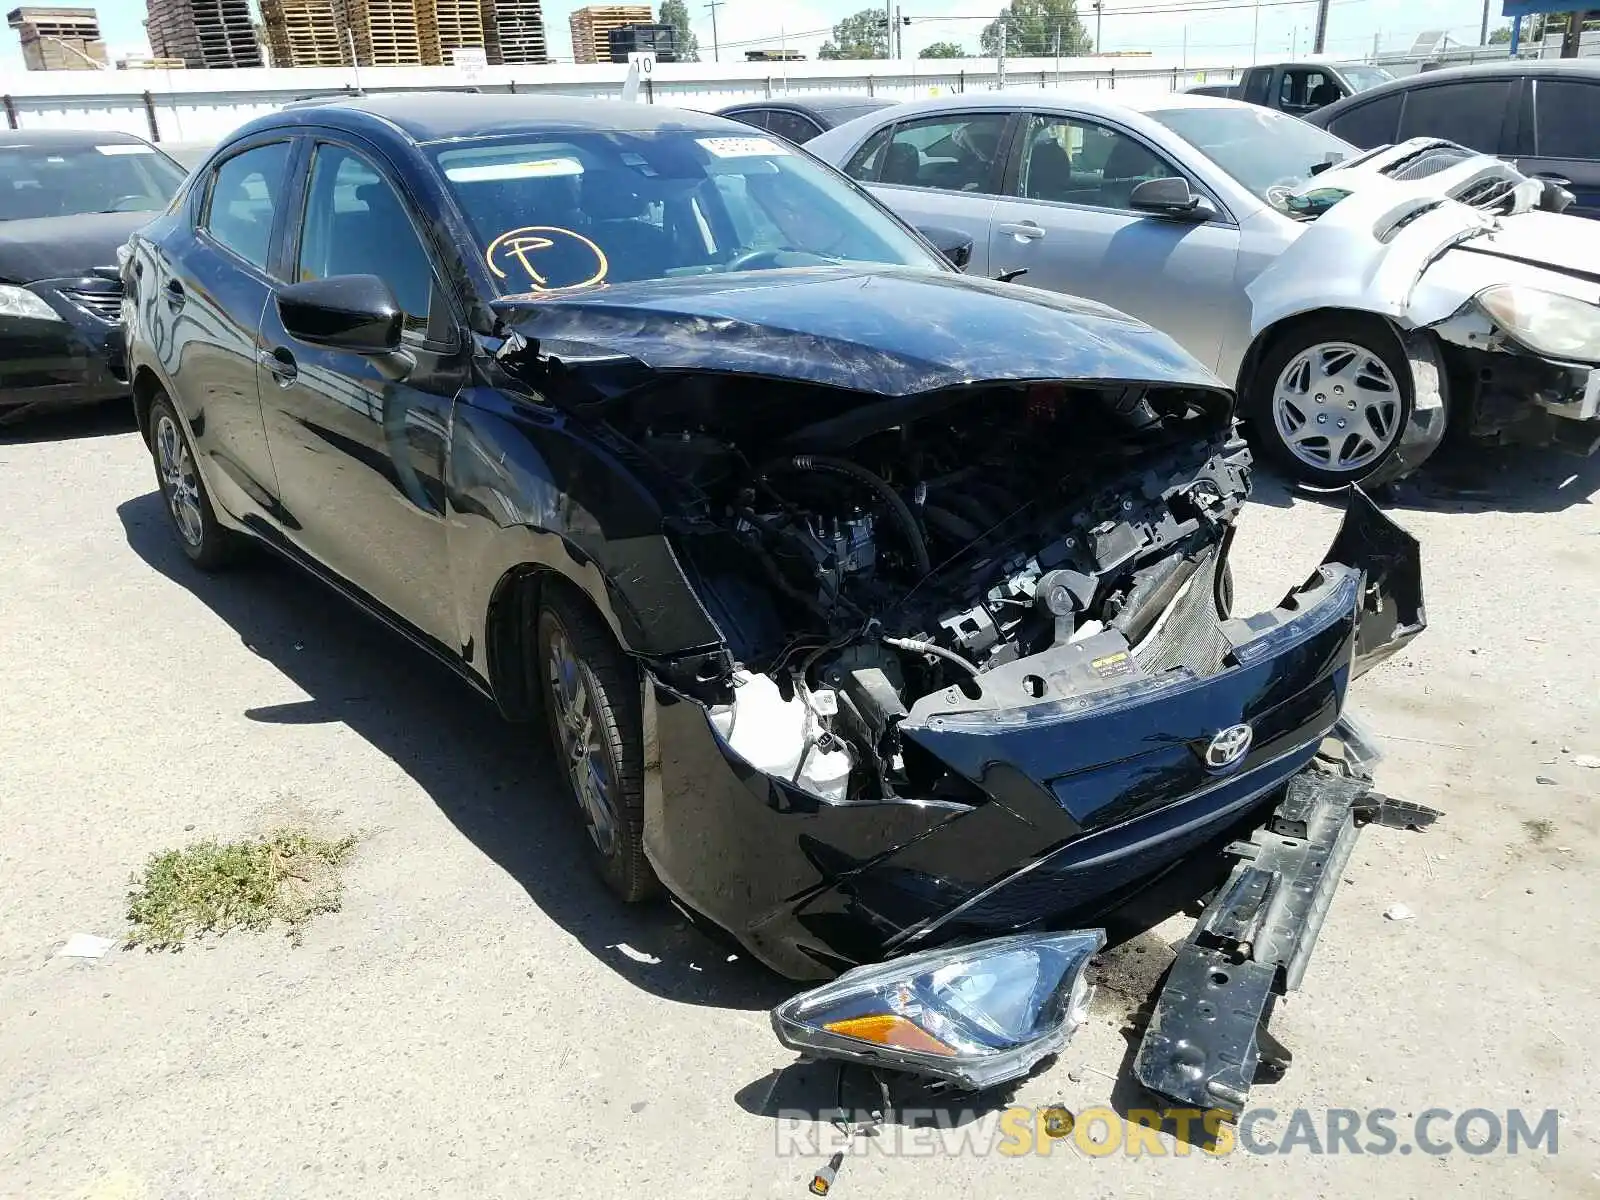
x=976 y=1015
x=1545 y=322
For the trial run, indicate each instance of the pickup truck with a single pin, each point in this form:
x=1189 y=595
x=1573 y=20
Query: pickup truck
x=1298 y=87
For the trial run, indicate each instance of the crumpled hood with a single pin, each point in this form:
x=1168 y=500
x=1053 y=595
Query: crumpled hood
x=61 y=247
x=878 y=330
x=1553 y=241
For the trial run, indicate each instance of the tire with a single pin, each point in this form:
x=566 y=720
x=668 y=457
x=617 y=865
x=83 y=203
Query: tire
x=591 y=702
x=207 y=543
x=1330 y=400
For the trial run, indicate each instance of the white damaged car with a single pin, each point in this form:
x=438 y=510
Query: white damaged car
x=1361 y=302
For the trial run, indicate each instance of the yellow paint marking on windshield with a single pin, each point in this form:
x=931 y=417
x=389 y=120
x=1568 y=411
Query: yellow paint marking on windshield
x=525 y=246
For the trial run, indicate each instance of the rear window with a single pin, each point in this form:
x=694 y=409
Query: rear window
x=1370 y=124
x=1470 y=113
x=115 y=176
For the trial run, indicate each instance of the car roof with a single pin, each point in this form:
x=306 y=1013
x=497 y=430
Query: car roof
x=66 y=139
x=824 y=103
x=443 y=116
x=1133 y=102
x=1510 y=68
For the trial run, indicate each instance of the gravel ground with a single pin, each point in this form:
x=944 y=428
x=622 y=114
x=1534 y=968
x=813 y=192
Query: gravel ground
x=481 y=1020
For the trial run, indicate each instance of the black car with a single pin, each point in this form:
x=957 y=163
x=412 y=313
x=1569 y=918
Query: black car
x=1540 y=114
x=800 y=119
x=874 y=611
x=68 y=201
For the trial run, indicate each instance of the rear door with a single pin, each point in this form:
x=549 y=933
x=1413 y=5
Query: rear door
x=360 y=443
x=1476 y=113
x=943 y=170
x=1068 y=221
x=1564 y=145
x=202 y=300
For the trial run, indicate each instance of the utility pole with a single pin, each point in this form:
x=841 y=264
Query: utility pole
x=1099 y=7
x=1320 y=38
x=899 y=38
x=1255 y=34
x=1483 y=31
x=1294 y=42
x=1000 y=60
x=716 y=49
x=888 y=28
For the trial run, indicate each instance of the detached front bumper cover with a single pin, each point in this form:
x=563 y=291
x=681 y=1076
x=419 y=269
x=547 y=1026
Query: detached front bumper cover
x=1207 y=1041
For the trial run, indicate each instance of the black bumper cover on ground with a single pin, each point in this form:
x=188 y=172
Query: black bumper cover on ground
x=1207 y=1041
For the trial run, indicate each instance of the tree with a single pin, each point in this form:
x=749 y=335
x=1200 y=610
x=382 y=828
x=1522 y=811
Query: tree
x=865 y=35
x=942 y=50
x=1031 y=28
x=1500 y=36
x=676 y=14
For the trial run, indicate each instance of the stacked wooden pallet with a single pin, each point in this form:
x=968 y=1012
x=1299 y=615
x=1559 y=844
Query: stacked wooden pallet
x=514 y=31
x=592 y=26
x=387 y=32
x=304 y=33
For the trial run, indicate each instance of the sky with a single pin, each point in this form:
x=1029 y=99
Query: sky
x=1226 y=28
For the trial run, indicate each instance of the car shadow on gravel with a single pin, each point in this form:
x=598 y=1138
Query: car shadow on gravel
x=1466 y=479
x=495 y=781
x=64 y=425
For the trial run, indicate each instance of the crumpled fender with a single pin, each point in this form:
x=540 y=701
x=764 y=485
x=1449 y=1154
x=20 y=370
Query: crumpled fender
x=1366 y=254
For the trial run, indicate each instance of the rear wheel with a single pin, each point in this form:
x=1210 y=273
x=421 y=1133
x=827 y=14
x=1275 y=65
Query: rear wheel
x=591 y=703
x=204 y=539
x=1329 y=401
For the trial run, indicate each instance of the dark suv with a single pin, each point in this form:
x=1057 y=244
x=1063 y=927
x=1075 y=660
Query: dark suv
x=1539 y=114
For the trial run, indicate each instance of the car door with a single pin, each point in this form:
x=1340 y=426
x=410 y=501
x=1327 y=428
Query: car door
x=1068 y=221
x=360 y=441
x=1565 y=141
x=942 y=170
x=201 y=300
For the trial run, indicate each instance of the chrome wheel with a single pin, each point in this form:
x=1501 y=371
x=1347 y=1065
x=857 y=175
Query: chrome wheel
x=178 y=480
x=582 y=732
x=1336 y=406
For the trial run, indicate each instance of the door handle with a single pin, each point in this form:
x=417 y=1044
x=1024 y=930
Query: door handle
x=1023 y=231
x=175 y=295
x=281 y=363
x=1558 y=180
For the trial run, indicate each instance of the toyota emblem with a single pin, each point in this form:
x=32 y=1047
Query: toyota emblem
x=1228 y=748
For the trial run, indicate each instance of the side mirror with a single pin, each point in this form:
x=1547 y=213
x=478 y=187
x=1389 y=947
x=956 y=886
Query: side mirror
x=1170 y=198
x=343 y=312
x=952 y=243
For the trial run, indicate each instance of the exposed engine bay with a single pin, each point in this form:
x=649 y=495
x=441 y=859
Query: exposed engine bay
x=857 y=566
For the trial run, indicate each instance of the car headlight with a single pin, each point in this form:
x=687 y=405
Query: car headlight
x=976 y=1015
x=1545 y=322
x=20 y=302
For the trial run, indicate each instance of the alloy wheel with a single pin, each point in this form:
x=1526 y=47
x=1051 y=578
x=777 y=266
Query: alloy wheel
x=178 y=480
x=1336 y=406
x=582 y=732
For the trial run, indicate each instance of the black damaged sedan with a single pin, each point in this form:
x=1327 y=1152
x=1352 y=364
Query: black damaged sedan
x=879 y=615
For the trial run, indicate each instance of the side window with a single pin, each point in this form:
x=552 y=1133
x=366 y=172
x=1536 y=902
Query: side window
x=1370 y=124
x=956 y=153
x=1566 y=119
x=792 y=127
x=1257 y=84
x=355 y=224
x=1304 y=89
x=750 y=116
x=864 y=163
x=1470 y=113
x=245 y=193
x=1079 y=162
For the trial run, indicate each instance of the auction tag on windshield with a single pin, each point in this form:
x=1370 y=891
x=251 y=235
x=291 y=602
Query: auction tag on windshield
x=125 y=148
x=741 y=147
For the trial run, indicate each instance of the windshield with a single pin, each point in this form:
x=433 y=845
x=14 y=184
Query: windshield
x=1270 y=153
x=581 y=209
x=1362 y=78
x=42 y=181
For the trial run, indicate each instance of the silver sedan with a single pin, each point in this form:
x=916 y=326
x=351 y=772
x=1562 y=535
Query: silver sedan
x=1173 y=208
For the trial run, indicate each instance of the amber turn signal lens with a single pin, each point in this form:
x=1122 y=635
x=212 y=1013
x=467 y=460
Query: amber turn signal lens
x=888 y=1029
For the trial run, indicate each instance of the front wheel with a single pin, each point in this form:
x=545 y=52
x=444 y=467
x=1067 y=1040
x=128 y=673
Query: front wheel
x=1329 y=401
x=204 y=539
x=591 y=702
